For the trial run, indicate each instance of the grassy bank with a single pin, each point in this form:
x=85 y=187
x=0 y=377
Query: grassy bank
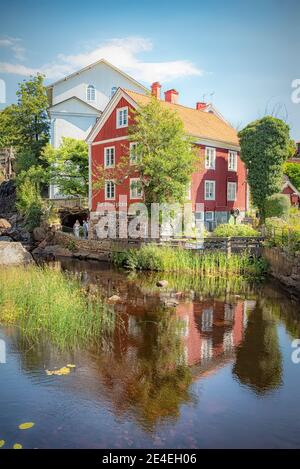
x=45 y=303
x=166 y=259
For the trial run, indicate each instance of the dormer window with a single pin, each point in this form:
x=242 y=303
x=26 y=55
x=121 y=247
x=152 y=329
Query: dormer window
x=91 y=93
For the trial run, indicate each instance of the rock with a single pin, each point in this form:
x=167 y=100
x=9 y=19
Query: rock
x=5 y=238
x=4 y=225
x=171 y=303
x=12 y=253
x=162 y=283
x=51 y=251
x=114 y=299
x=39 y=233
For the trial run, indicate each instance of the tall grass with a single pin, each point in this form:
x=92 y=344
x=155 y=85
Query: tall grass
x=161 y=258
x=45 y=303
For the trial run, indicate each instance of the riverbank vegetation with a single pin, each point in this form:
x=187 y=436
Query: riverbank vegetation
x=160 y=258
x=45 y=303
x=227 y=229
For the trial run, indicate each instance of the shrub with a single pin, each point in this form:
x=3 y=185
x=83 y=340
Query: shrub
x=29 y=203
x=278 y=206
x=226 y=230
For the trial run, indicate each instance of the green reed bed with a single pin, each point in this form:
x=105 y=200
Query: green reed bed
x=167 y=259
x=45 y=303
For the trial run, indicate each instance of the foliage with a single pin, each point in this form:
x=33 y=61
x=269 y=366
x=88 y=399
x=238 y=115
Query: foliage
x=277 y=205
x=226 y=229
x=265 y=146
x=283 y=234
x=29 y=202
x=7 y=126
x=68 y=166
x=158 y=258
x=44 y=303
x=292 y=170
x=165 y=155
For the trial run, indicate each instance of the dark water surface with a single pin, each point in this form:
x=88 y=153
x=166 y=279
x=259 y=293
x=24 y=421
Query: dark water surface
x=215 y=371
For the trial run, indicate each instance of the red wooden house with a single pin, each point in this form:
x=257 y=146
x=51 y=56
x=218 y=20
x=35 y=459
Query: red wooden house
x=221 y=185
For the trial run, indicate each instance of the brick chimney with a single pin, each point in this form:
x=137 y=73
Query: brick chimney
x=171 y=96
x=200 y=106
x=155 y=89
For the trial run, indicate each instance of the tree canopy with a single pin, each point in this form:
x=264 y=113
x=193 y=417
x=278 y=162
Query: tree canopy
x=265 y=146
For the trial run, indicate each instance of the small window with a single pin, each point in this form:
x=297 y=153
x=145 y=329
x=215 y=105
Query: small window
x=109 y=157
x=209 y=190
x=231 y=191
x=133 y=155
x=210 y=158
x=122 y=117
x=209 y=216
x=232 y=160
x=113 y=91
x=110 y=190
x=135 y=189
x=91 y=93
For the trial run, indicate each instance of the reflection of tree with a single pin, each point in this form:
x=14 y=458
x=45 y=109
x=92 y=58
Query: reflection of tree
x=151 y=378
x=258 y=360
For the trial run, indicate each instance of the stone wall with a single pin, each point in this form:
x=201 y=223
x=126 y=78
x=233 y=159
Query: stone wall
x=284 y=267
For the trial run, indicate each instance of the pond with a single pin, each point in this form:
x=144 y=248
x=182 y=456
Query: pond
x=215 y=370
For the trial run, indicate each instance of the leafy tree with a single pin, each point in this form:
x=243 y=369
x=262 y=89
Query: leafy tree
x=165 y=155
x=292 y=170
x=68 y=166
x=7 y=126
x=278 y=206
x=29 y=201
x=265 y=146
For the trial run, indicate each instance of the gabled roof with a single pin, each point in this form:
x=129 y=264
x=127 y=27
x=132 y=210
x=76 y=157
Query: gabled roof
x=96 y=111
x=287 y=182
x=93 y=65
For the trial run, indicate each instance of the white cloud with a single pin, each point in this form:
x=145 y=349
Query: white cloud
x=123 y=53
x=13 y=44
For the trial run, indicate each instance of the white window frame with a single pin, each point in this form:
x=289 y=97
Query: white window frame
x=232 y=158
x=119 y=112
x=91 y=97
x=212 y=216
x=210 y=158
x=131 y=160
x=105 y=189
x=135 y=195
x=229 y=185
x=114 y=157
x=213 y=197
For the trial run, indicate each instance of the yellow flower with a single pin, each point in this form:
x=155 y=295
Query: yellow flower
x=25 y=426
x=17 y=446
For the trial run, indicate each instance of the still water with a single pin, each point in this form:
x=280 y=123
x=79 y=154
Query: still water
x=213 y=371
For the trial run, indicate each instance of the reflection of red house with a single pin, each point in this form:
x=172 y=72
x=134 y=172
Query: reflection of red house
x=290 y=190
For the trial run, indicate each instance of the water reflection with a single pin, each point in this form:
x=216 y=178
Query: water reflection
x=147 y=371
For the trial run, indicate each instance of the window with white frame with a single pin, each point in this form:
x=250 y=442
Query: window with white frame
x=210 y=158
x=110 y=190
x=135 y=188
x=209 y=216
x=232 y=160
x=231 y=191
x=133 y=155
x=109 y=157
x=122 y=117
x=91 y=93
x=209 y=190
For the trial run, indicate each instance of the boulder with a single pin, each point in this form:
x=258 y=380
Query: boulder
x=12 y=253
x=39 y=233
x=162 y=283
x=4 y=225
x=57 y=251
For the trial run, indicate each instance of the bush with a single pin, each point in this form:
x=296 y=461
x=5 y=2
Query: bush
x=29 y=203
x=283 y=234
x=225 y=230
x=277 y=205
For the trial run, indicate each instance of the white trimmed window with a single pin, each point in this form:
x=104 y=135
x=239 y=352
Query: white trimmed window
x=109 y=157
x=209 y=216
x=110 y=190
x=91 y=93
x=232 y=160
x=122 y=117
x=133 y=156
x=135 y=188
x=209 y=190
x=231 y=191
x=210 y=158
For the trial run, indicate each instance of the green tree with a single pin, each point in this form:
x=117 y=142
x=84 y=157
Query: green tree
x=292 y=170
x=165 y=157
x=68 y=166
x=29 y=201
x=265 y=146
x=277 y=205
x=7 y=126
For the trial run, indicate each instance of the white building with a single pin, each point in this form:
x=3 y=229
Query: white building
x=77 y=100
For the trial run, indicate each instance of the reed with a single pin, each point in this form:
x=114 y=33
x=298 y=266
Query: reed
x=45 y=303
x=212 y=264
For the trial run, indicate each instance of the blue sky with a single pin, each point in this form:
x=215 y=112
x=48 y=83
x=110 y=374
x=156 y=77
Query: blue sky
x=246 y=53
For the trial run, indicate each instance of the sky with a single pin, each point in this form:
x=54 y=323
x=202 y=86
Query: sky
x=243 y=56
